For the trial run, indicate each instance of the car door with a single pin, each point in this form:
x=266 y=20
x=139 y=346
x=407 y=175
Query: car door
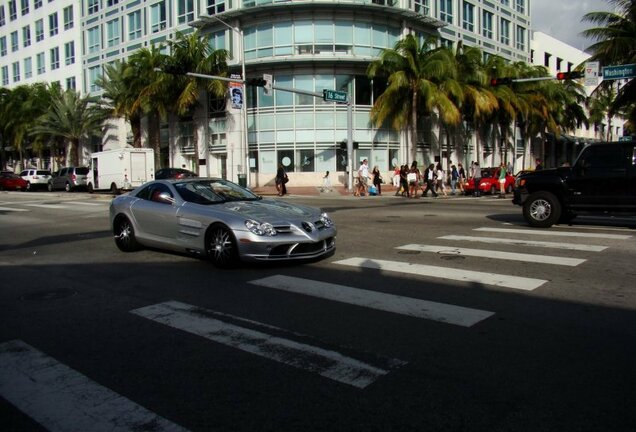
x=598 y=179
x=155 y=213
x=60 y=180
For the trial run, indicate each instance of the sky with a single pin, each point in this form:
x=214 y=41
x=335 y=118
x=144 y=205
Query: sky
x=561 y=19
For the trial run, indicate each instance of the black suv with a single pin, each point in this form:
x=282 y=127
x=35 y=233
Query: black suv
x=602 y=180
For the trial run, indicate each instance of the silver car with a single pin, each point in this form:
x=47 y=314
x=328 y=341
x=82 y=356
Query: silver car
x=68 y=178
x=220 y=219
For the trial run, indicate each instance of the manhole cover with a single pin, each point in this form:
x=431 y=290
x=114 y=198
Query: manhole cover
x=49 y=295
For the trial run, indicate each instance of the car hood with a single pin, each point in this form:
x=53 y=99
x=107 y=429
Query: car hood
x=272 y=210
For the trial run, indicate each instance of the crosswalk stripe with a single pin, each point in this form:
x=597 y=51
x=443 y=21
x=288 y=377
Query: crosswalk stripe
x=326 y=363
x=48 y=206
x=62 y=399
x=531 y=243
x=555 y=233
x=493 y=254
x=84 y=203
x=12 y=209
x=446 y=313
x=507 y=281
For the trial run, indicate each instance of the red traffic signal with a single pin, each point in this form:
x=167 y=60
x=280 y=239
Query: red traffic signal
x=569 y=75
x=500 y=81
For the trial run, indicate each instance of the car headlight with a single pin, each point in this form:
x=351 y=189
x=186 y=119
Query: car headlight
x=326 y=220
x=261 y=229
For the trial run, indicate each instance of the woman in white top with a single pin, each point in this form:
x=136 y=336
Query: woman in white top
x=441 y=179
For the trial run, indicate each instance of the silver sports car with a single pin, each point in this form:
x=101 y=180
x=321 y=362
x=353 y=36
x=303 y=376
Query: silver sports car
x=221 y=219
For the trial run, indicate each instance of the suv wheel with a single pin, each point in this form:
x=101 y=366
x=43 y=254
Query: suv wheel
x=542 y=209
x=67 y=187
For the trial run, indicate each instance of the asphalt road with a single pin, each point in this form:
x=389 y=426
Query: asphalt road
x=419 y=322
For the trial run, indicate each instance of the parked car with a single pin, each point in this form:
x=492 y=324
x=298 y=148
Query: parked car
x=68 y=178
x=36 y=178
x=174 y=173
x=489 y=182
x=220 y=219
x=11 y=181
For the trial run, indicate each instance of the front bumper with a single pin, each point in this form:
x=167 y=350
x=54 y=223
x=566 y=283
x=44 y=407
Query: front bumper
x=519 y=196
x=287 y=247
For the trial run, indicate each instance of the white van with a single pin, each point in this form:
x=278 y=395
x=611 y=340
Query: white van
x=121 y=169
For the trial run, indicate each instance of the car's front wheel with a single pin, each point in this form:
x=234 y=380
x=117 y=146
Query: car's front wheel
x=67 y=187
x=221 y=246
x=125 y=235
x=542 y=209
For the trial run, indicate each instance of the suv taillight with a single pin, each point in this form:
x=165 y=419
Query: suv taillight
x=74 y=177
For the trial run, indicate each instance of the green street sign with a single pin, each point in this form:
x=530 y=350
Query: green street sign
x=334 y=96
x=619 y=72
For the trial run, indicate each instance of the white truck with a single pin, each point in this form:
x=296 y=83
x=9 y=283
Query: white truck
x=120 y=169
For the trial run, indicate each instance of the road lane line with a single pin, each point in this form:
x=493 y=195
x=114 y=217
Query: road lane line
x=493 y=254
x=62 y=399
x=530 y=243
x=446 y=313
x=506 y=281
x=84 y=203
x=326 y=363
x=554 y=233
x=11 y=209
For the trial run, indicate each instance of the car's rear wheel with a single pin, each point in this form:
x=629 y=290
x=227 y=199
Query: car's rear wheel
x=221 y=246
x=67 y=187
x=542 y=209
x=493 y=190
x=50 y=187
x=125 y=235
x=29 y=187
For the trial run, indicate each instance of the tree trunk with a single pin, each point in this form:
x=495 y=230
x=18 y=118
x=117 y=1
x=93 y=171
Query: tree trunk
x=412 y=150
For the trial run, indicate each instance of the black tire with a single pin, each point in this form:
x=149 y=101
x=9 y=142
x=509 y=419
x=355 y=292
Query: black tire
x=221 y=247
x=28 y=188
x=493 y=190
x=49 y=186
x=542 y=210
x=509 y=189
x=67 y=187
x=125 y=235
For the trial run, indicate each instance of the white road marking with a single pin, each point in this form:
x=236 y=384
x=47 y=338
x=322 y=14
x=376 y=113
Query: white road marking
x=446 y=313
x=327 y=363
x=12 y=209
x=62 y=399
x=84 y=203
x=493 y=254
x=555 y=233
x=48 y=206
x=507 y=281
x=532 y=243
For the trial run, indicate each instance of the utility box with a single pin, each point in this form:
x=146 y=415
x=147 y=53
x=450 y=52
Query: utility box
x=121 y=169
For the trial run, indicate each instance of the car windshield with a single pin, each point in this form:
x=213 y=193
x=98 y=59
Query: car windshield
x=213 y=191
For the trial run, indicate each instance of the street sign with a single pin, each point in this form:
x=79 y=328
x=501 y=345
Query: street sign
x=619 y=72
x=334 y=96
x=591 y=73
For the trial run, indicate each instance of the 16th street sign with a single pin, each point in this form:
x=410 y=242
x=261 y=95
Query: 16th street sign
x=619 y=72
x=334 y=96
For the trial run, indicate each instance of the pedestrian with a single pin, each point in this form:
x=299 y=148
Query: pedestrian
x=404 y=184
x=326 y=183
x=430 y=181
x=377 y=179
x=454 y=179
x=396 y=178
x=462 y=177
x=281 y=180
x=413 y=177
x=363 y=177
x=502 y=180
x=538 y=165
x=476 y=179
x=440 y=175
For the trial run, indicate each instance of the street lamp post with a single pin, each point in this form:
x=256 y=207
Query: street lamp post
x=244 y=136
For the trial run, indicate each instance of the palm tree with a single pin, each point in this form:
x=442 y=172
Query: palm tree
x=71 y=118
x=600 y=107
x=414 y=74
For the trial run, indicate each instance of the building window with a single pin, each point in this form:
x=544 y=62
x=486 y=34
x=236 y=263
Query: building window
x=68 y=17
x=2 y=17
x=26 y=36
x=16 y=72
x=53 y=29
x=468 y=18
x=3 y=46
x=39 y=30
x=504 y=32
x=546 y=59
x=158 y=17
x=505 y=2
x=39 y=63
x=55 y=58
x=134 y=25
x=14 y=41
x=93 y=76
x=112 y=33
x=93 y=6
x=185 y=11
x=25 y=7
x=216 y=6
x=423 y=7
x=70 y=83
x=5 y=75
x=446 y=10
x=521 y=6
x=69 y=53
x=110 y=3
x=521 y=38
x=28 y=68
x=37 y=4
x=13 y=10
x=486 y=30
x=93 y=40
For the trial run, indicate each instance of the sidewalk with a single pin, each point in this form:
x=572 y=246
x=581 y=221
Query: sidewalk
x=387 y=190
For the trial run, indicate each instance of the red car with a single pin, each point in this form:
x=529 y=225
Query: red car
x=490 y=182
x=11 y=181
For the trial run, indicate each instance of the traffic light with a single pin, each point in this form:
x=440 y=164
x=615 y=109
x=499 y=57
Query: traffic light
x=258 y=82
x=569 y=75
x=500 y=81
